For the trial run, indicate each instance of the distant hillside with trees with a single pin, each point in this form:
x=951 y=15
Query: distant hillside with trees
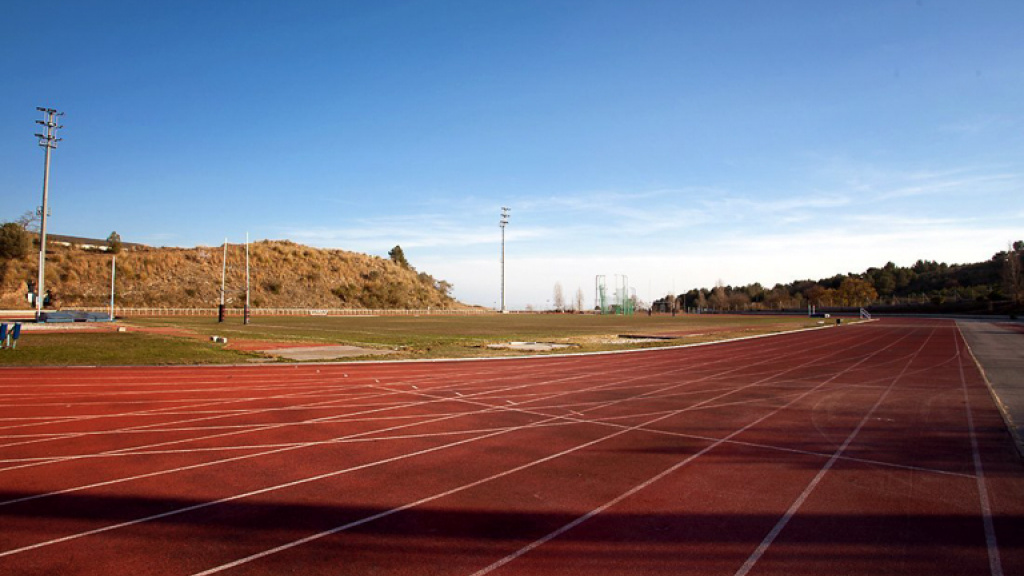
x=283 y=274
x=993 y=286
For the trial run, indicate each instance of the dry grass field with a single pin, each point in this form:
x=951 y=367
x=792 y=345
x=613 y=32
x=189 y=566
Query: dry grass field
x=186 y=340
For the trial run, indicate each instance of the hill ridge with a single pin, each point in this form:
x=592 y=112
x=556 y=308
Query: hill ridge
x=283 y=274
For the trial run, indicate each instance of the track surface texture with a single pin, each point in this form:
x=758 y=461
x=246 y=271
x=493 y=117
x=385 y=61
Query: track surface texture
x=866 y=449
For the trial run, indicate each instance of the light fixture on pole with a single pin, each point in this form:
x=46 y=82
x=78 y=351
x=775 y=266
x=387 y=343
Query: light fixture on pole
x=48 y=141
x=503 y=223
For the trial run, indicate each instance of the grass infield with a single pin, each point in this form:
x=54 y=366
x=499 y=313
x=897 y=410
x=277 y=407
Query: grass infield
x=186 y=340
x=112 y=349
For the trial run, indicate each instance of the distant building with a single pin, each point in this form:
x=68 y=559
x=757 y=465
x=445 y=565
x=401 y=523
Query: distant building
x=86 y=243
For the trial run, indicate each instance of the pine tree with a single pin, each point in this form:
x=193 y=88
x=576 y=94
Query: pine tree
x=398 y=257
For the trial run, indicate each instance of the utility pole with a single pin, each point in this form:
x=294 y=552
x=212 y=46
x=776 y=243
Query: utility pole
x=113 y=275
x=503 y=223
x=245 y=314
x=48 y=141
x=223 y=275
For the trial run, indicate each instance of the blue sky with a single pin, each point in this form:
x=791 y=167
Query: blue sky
x=676 y=142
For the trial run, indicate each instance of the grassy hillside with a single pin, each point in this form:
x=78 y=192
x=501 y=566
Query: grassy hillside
x=282 y=274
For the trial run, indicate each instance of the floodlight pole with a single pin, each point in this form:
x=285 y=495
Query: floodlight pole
x=223 y=276
x=503 y=223
x=245 y=319
x=48 y=141
x=113 y=275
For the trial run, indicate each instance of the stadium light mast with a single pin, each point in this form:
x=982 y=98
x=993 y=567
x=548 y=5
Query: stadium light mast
x=503 y=223
x=245 y=314
x=113 y=276
x=223 y=276
x=49 y=142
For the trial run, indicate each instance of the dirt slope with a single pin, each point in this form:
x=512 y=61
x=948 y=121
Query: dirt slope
x=282 y=274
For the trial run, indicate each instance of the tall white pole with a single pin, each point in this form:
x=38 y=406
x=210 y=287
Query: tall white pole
x=223 y=277
x=503 y=223
x=223 y=271
x=48 y=141
x=503 y=269
x=246 y=319
x=113 y=274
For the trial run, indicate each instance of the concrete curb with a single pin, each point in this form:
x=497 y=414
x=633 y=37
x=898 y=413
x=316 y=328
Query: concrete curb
x=1003 y=407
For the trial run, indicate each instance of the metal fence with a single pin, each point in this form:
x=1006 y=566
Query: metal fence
x=125 y=312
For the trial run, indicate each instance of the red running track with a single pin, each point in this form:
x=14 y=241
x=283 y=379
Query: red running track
x=867 y=449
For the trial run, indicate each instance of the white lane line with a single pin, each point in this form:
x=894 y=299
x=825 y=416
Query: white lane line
x=253 y=428
x=208 y=464
x=795 y=506
x=257 y=492
x=565 y=528
x=143 y=428
x=538 y=411
x=279 y=450
x=171 y=512
x=707 y=403
x=145 y=450
x=565 y=421
x=995 y=565
x=323 y=387
x=84 y=398
x=307 y=382
x=162 y=412
x=107 y=483
x=623 y=367
x=313 y=384
x=202 y=464
x=470 y=485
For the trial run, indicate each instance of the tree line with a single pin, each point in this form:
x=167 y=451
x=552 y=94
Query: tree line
x=937 y=284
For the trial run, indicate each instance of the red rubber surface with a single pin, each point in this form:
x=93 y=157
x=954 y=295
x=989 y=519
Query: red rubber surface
x=864 y=449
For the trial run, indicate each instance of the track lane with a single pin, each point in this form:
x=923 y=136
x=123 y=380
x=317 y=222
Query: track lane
x=439 y=500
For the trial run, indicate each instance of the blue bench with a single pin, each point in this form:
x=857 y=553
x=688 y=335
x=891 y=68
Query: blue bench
x=9 y=338
x=74 y=316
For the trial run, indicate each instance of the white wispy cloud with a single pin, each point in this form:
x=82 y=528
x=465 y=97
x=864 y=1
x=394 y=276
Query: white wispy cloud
x=865 y=182
x=845 y=217
x=975 y=125
x=738 y=260
x=939 y=185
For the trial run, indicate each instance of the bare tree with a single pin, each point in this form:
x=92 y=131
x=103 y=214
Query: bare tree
x=702 y=300
x=29 y=221
x=739 y=301
x=1013 y=272
x=638 y=304
x=559 y=297
x=718 y=299
x=579 y=300
x=778 y=297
